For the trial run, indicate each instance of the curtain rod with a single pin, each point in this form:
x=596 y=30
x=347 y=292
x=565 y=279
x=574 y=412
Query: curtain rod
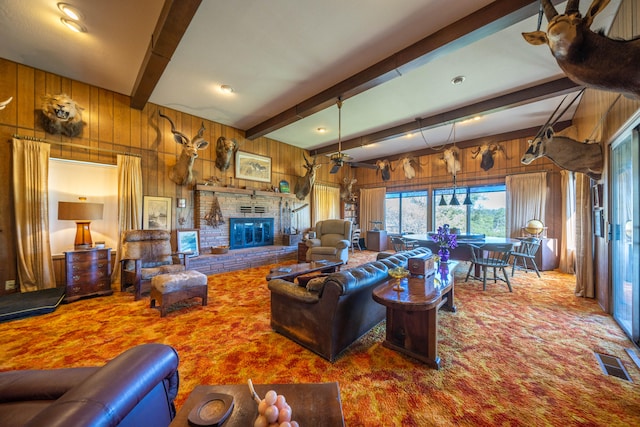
x=70 y=144
x=420 y=185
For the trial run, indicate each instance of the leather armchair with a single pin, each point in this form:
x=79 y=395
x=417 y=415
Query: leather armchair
x=147 y=253
x=137 y=388
x=332 y=242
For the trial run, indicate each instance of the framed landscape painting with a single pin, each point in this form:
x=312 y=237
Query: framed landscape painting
x=156 y=213
x=253 y=167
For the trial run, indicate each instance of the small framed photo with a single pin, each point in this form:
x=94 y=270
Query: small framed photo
x=156 y=213
x=181 y=203
x=189 y=242
x=253 y=167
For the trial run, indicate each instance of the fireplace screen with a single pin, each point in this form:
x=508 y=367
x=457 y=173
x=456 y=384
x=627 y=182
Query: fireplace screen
x=250 y=232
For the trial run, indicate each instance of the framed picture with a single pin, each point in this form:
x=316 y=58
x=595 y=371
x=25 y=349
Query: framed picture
x=189 y=242
x=253 y=167
x=156 y=213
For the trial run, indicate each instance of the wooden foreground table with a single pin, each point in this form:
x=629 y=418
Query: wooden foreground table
x=311 y=404
x=412 y=314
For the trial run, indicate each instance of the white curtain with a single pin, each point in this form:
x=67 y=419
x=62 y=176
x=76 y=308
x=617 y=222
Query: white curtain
x=568 y=240
x=129 y=202
x=526 y=199
x=585 y=281
x=31 y=202
x=326 y=203
x=372 y=207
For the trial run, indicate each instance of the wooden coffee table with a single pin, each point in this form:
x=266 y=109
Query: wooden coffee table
x=290 y=272
x=412 y=314
x=312 y=404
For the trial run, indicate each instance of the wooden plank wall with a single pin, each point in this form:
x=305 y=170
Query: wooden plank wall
x=111 y=124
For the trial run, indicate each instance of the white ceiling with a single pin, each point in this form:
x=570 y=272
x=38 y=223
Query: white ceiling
x=278 y=53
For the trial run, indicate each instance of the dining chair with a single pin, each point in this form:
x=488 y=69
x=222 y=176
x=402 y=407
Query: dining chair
x=355 y=240
x=491 y=255
x=526 y=253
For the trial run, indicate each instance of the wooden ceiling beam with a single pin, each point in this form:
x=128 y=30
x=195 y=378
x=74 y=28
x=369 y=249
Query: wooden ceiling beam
x=540 y=92
x=490 y=19
x=173 y=22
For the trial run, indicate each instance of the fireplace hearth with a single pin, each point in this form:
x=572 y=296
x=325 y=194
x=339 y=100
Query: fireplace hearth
x=250 y=232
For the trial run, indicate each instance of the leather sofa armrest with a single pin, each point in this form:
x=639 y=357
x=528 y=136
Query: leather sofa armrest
x=40 y=384
x=107 y=396
x=293 y=291
x=311 y=243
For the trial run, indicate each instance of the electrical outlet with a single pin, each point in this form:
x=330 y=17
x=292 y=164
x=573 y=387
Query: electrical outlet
x=9 y=285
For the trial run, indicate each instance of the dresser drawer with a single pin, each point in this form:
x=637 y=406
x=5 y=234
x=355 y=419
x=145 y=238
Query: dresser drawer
x=88 y=273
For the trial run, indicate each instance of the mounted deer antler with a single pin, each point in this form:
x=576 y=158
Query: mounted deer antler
x=586 y=57
x=4 y=104
x=346 y=189
x=182 y=172
x=305 y=183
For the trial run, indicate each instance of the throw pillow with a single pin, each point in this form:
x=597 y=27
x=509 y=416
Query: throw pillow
x=316 y=284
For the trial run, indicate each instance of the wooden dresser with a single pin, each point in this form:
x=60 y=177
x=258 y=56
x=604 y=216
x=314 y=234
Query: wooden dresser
x=88 y=273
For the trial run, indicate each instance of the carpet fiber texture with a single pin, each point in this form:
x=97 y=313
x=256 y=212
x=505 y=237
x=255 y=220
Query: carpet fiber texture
x=508 y=359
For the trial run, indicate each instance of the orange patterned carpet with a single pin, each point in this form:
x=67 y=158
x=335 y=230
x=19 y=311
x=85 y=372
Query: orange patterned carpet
x=511 y=359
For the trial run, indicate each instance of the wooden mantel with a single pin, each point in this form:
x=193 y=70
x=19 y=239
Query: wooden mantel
x=243 y=191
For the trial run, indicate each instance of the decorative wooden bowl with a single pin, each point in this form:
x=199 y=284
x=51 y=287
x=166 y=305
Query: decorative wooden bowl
x=220 y=249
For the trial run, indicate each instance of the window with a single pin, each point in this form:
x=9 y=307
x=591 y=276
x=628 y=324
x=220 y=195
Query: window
x=406 y=212
x=486 y=214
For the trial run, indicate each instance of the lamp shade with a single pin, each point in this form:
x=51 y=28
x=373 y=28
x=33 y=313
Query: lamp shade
x=74 y=211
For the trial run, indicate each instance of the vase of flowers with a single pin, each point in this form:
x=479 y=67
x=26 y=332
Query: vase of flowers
x=446 y=241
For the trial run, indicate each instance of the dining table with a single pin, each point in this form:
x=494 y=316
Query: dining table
x=462 y=252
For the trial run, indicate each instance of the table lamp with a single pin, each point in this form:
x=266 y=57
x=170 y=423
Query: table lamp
x=82 y=213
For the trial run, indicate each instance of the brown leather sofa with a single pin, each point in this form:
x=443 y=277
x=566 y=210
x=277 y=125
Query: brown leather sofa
x=137 y=388
x=327 y=319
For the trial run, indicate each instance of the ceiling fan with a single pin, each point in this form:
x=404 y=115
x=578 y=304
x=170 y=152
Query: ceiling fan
x=339 y=159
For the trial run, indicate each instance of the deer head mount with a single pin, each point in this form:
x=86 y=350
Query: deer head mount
x=589 y=58
x=182 y=172
x=488 y=151
x=451 y=159
x=304 y=184
x=225 y=149
x=385 y=169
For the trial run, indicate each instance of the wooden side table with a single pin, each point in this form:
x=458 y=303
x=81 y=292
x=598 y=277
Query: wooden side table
x=412 y=314
x=311 y=404
x=377 y=240
x=302 y=252
x=88 y=273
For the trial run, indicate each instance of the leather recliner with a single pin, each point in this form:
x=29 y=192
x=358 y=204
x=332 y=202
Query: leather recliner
x=332 y=242
x=137 y=388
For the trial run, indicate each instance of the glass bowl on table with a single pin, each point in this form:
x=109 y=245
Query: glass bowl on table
x=398 y=273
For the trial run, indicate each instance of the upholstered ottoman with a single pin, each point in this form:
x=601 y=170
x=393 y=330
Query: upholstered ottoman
x=168 y=289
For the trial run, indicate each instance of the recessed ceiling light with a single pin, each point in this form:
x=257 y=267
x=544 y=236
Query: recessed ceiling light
x=73 y=25
x=321 y=130
x=70 y=11
x=458 y=80
x=226 y=89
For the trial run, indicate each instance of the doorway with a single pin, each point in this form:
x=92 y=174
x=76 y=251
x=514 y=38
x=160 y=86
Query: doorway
x=625 y=236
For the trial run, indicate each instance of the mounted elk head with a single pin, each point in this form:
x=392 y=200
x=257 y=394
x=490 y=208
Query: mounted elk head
x=408 y=167
x=488 y=151
x=385 y=169
x=182 y=172
x=225 y=149
x=451 y=159
x=305 y=183
x=346 y=189
x=565 y=152
x=589 y=58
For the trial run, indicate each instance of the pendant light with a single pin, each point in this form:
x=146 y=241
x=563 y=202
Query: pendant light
x=454 y=200
x=442 y=202
x=467 y=200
